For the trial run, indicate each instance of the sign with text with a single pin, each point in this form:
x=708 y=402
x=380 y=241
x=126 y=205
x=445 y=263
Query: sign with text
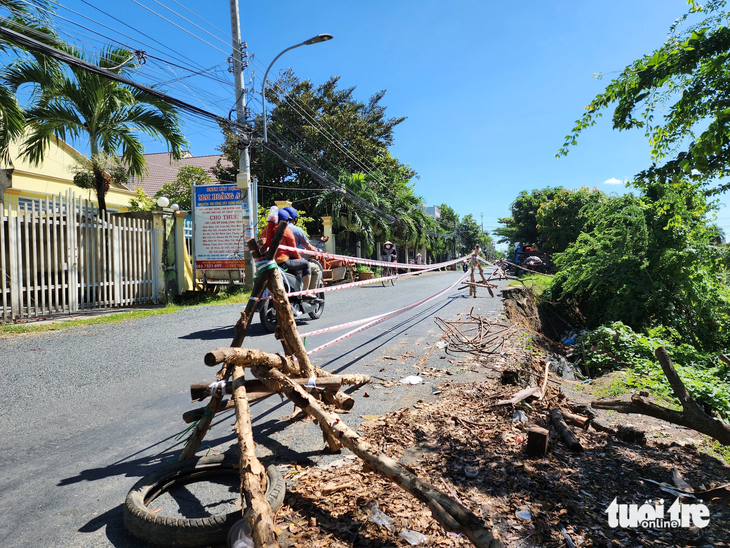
x=218 y=227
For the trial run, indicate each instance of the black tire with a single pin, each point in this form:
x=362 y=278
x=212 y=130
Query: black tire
x=267 y=315
x=319 y=309
x=169 y=531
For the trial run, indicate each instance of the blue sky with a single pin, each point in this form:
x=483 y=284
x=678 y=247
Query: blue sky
x=489 y=88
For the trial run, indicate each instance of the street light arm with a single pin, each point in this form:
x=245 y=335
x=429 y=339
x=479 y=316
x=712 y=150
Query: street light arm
x=317 y=39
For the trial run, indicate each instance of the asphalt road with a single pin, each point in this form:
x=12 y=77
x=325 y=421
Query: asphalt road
x=86 y=412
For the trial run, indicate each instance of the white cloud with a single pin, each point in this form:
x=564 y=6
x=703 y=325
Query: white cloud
x=613 y=181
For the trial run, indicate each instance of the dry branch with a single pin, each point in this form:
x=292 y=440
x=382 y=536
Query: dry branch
x=452 y=515
x=257 y=511
x=519 y=396
x=565 y=434
x=692 y=416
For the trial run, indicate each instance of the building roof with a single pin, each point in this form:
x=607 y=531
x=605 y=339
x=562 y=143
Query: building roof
x=163 y=169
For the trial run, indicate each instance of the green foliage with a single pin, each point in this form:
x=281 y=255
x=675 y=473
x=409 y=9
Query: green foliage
x=678 y=95
x=648 y=261
x=85 y=179
x=180 y=191
x=141 y=202
x=618 y=346
x=522 y=225
x=561 y=219
x=74 y=104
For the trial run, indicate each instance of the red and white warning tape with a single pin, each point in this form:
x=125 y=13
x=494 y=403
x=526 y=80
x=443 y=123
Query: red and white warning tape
x=376 y=319
x=368 y=262
x=366 y=282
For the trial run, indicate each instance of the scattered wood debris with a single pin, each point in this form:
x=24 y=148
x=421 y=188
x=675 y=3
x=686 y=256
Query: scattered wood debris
x=474 y=448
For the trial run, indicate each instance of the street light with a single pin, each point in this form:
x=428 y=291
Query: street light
x=316 y=40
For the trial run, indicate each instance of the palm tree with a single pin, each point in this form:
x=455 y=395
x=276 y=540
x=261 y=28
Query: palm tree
x=72 y=104
x=351 y=214
x=27 y=17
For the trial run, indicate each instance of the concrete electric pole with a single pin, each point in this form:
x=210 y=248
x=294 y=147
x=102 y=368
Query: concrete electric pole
x=243 y=179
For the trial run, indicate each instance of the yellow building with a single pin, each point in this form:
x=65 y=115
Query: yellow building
x=54 y=176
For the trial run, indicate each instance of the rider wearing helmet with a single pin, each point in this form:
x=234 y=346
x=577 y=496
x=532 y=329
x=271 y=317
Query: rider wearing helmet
x=303 y=243
x=290 y=260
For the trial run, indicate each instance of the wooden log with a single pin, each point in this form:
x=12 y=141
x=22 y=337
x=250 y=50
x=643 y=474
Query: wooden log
x=576 y=420
x=537 y=441
x=339 y=399
x=692 y=416
x=565 y=434
x=239 y=333
x=248 y=356
x=257 y=511
x=287 y=325
x=201 y=391
x=452 y=515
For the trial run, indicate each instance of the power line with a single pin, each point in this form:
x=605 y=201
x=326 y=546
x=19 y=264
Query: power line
x=182 y=29
x=64 y=57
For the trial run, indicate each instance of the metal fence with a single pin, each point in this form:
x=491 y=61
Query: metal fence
x=60 y=256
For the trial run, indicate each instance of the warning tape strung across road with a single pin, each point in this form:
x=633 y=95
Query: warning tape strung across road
x=363 y=282
x=368 y=262
x=379 y=319
x=373 y=280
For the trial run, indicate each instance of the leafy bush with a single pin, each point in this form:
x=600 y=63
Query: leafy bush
x=617 y=346
x=648 y=261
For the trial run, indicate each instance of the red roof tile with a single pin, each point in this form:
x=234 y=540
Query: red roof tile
x=163 y=169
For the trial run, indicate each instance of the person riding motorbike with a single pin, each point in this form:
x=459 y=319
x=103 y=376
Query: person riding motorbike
x=290 y=260
x=303 y=243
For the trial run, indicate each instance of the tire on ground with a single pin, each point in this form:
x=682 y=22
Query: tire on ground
x=171 y=531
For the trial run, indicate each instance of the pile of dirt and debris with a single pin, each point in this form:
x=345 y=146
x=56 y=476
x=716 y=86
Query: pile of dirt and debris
x=474 y=450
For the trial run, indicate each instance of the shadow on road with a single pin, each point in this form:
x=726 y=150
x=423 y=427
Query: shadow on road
x=393 y=333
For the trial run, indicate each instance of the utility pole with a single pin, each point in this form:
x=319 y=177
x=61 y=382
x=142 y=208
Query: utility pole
x=243 y=179
x=454 y=240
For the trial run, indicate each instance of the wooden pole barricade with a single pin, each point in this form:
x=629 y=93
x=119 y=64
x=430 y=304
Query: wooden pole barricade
x=242 y=325
x=293 y=374
x=452 y=515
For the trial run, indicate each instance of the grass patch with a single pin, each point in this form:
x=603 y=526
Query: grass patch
x=719 y=450
x=238 y=296
x=537 y=282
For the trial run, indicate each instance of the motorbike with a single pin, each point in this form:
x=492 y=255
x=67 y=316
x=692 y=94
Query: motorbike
x=300 y=307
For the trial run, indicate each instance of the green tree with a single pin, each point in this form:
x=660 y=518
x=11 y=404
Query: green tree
x=27 y=17
x=180 y=191
x=678 y=95
x=324 y=128
x=522 y=225
x=73 y=104
x=561 y=220
x=649 y=261
x=351 y=216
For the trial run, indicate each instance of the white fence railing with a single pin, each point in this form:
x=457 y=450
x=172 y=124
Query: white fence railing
x=59 y=256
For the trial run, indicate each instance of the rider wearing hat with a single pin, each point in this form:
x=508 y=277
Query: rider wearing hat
x=389 y=252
